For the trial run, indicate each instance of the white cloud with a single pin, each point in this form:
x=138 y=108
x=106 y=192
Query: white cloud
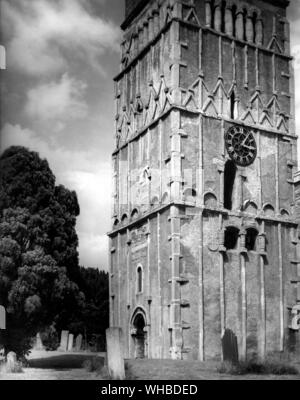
x=41 y=33
x=63 y=99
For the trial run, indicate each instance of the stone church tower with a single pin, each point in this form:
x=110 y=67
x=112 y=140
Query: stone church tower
x=205 y=235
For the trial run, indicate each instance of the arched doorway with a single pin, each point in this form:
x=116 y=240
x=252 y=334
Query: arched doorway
x=139 y=335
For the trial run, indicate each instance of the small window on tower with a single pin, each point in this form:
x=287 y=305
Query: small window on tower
x=229 y=179
x=231 y=238
x=139 y=279
x=251 y=238
x=232 y=106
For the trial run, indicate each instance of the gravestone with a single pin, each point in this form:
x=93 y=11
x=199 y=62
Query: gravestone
x=230 y=347
x=2 y=318
x=64 y=341
x=12 y=361
x=38 y=343
x=70 y=342
x=115 y=358
x=78 y=342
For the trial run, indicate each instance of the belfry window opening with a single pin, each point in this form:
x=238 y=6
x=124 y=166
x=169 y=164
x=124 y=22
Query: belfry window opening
x=231 y=238
x=229 y=179
x=232 y=105
x=251 y=238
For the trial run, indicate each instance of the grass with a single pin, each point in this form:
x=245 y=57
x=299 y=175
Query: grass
x=94 y=364
x=11 y=368
x=253 y=367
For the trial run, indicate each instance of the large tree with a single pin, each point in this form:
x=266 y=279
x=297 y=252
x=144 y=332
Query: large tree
x=39 y=268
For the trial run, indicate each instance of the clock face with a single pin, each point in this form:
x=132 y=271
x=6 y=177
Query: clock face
x=241 y=145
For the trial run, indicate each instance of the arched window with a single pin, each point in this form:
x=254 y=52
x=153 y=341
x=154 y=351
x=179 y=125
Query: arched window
x=254 y=26
x=245 y=22
x=139 y=279
x=251 y=237
x=229 y=179
x=223 y=10
x=231 y=238
x=234 y=11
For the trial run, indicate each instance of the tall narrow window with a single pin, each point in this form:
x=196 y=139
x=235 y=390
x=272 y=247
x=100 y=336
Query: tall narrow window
x=245 y=22
x=229 y=179
x=231 y=238
x=232 y=105
x=139 y=280
x=234 y=11
x=254 y=26
x=251 y=238
x=223 y=10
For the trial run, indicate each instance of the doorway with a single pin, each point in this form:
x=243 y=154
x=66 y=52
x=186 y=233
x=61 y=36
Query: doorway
x=140 y=337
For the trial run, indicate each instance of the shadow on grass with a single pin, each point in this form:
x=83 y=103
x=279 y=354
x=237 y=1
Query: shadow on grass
x=63 y=362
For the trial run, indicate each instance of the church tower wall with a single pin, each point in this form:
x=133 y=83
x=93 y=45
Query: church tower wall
x=200 y=242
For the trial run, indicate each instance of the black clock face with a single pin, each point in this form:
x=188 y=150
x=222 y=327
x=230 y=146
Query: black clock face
x=241 y=145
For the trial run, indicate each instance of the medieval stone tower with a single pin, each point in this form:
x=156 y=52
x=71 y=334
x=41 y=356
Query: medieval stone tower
x=204 y=233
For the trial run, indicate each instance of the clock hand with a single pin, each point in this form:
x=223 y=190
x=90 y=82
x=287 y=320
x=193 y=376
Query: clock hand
x=248 y=147
x=246 y=139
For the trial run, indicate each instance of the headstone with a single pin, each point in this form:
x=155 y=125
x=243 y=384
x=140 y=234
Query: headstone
x=115 y=358
x=2 y=318
x=64 y=341
x=78 y=342
x=230 y=347
x=39 y=344
x=70 y=342
x=11 y=361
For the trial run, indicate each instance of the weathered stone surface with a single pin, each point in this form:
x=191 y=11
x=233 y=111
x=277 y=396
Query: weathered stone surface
x=11 y=361
x=70 y=342
x=115 y=354
x=174 y=107
x=2 y=318
x=64 y=341
x=38 y=342
x=78 y=342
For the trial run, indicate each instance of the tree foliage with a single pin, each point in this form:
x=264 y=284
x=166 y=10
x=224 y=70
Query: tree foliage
x=39 y=268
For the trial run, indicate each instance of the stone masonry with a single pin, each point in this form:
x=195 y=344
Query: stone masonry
x=200 y=242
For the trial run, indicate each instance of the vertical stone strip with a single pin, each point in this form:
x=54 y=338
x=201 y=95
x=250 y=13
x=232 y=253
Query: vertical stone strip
x=281 y=305
x=176 y=351
x=259 y=158
x=149 y=298
x=201 y=292
x=243 y=253
x=175 y=63
x=277 y=176
x=220 y=77
x=176 y=170
x=246 y=77
x=160 y=318
x=119 y=279
x=111 y=308
x=262 y=256
x=222 y=286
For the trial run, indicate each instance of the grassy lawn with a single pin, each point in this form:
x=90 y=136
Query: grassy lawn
x=68 y=366
x=187 y=370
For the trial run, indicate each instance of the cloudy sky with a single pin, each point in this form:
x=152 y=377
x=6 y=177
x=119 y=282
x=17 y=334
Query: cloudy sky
x=57 y=97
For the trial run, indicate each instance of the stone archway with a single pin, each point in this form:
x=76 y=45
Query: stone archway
x=139 y=335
